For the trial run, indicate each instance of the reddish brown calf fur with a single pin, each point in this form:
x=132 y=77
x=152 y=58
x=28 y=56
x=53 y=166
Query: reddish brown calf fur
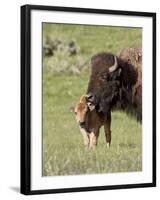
x=90 y=121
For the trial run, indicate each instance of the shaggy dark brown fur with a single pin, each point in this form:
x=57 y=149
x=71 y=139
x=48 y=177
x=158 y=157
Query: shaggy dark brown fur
x=134 y=56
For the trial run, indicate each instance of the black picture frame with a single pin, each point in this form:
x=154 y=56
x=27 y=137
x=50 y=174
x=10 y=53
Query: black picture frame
x=25 y=183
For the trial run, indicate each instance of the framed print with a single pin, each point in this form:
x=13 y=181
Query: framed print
x=88 y=99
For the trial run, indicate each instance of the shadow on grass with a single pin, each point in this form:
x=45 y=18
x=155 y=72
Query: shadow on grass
x=129 y=145
x=15 y=189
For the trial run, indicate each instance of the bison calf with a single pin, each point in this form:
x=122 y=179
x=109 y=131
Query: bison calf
x=90 y=121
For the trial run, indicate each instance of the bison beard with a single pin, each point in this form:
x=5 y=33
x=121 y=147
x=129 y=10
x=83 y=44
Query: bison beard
x=119 y=89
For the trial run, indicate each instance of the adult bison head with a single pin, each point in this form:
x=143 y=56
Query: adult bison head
x=106 y=97
x=111 y=83
x=104 y=83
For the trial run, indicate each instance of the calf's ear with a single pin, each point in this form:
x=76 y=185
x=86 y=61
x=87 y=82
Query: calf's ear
x=89 y=97
x=71 y=109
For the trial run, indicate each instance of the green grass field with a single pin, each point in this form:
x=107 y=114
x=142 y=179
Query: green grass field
x=63 y=150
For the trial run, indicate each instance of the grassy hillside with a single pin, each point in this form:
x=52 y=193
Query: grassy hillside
x=63 y=84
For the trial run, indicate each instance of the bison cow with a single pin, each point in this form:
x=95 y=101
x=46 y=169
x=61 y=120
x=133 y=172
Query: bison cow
x=116 y=82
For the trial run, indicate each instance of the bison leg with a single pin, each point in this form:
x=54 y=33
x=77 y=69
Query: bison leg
x=85 y=137
x=93 y=139
x=107 y=130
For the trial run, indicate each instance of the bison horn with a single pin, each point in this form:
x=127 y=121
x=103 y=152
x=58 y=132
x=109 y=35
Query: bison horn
x=113 y=67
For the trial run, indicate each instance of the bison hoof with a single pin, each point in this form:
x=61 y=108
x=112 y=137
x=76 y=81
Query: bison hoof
x=108 y=144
